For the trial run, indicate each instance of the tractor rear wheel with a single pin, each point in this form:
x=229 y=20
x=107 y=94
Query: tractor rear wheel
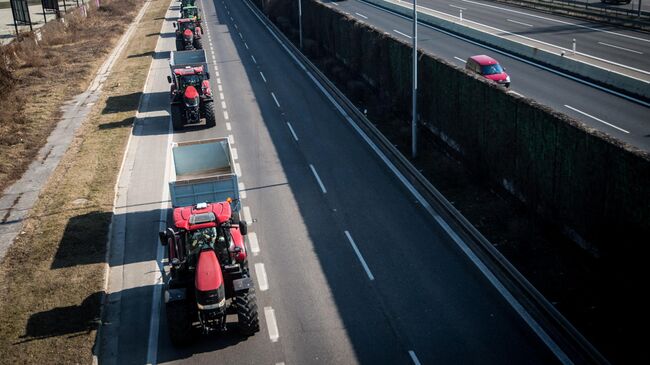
x=179 y=323
x=208 y=112
x=198 y=43
x=246 y=304
x=179 y=45
x=177 y=117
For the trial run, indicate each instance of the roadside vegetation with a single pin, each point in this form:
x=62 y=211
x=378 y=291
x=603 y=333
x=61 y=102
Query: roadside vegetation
x=53 y=276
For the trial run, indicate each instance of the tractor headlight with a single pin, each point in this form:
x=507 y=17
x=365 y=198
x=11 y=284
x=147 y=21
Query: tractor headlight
x=212 y=306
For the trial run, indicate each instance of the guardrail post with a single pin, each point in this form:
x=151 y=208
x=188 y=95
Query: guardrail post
x=573 y=47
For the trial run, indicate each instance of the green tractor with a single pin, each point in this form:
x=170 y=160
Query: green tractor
x=185 y=3
x=191 y=12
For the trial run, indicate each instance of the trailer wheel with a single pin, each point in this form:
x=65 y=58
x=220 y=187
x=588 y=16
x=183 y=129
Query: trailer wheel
x=243 y=228
x=179 y=44
x=198 y=43
x=179 y=323
x=208 y=112
x=177 y=117
x=247 y=316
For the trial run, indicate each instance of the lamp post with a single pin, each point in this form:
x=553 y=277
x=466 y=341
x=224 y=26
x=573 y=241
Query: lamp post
x=300 y=21
x=414 y=126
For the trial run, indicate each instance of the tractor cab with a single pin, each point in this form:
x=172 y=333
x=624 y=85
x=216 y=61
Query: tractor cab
x=192 y=82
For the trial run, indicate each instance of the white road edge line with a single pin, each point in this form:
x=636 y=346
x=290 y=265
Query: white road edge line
x=293 y=133
x=359 y=256
x=539 y=331
x=403 y=34
x=154 y=322
x=460 y=59
x=320 y=183
x=619 y=47
x=596 y=119
x=262 y=281
x=271 y=324
x=361 y=15
x=242 y=190
x=246 y=212
x=276 y=99
x=457 y=7
x=253 y=243
x=414 y=357
x=521 y=23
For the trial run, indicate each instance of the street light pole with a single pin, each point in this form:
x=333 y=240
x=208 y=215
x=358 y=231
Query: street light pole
x=300 y=21
x=414 y=126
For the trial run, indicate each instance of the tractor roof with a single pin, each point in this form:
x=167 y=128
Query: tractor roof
x=202 y=215
x=188 y=71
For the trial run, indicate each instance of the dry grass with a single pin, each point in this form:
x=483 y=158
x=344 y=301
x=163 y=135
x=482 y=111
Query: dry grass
x=36 y=78
x=52 y=277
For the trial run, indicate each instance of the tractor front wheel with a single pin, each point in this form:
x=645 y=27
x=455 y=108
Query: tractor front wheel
x=246 y=304
x=177 y=117
x=208 y=112
x=179 y=323
x=198 y=44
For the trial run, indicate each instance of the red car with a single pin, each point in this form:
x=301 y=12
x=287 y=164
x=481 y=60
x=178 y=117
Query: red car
x=488 y=67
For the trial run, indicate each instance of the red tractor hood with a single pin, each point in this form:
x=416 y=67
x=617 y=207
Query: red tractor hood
x=187 y=33
x=191 y=93
x=208 y=272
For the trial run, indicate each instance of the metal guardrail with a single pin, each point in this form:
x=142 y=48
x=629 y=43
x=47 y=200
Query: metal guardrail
x=593 y=11
x=558 y=327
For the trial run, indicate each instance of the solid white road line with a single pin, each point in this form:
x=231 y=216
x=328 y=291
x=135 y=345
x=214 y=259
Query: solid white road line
x=261 y=277
x=596 y=119
x=253 y=58
x=276 y=99
x=271 y=324
x=234 y=154
x=225 y=115
x=154 y=321
x=320 y=183
x=253 y=243
x=263 y=78
x=237 y=169
x=402 y=34
x=228 y=126
x=361 y=15
x=558 y=21
x=359 y=256
x=414 y=358
x=460 y=59
x=293 y=133
x=619 y=47
x=242 y=190
x=246 y=212
x=516 y=22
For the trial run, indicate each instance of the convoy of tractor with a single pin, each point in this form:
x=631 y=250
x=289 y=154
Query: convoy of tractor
x=208 y=276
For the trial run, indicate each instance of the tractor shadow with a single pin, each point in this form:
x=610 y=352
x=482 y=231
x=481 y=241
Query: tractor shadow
x=122 y=103
x=83 y=241
x=64 y=321
x=155 y=55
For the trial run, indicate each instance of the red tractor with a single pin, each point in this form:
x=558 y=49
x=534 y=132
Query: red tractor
x=188 y=34
x=209 y=276
x=190 y=93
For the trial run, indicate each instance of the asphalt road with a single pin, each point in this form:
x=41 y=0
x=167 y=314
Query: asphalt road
x=617 y=116
x=611 y=43
x=348 y=267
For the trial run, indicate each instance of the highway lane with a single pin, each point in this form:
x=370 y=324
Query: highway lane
x=611 y=114
x=614 y=44
x=355 y=270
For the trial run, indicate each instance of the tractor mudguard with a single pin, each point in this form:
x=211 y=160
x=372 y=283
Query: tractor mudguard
x=242 y=284
x=174 y=295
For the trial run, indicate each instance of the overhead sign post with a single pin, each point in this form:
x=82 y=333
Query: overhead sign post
x=20 y=11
